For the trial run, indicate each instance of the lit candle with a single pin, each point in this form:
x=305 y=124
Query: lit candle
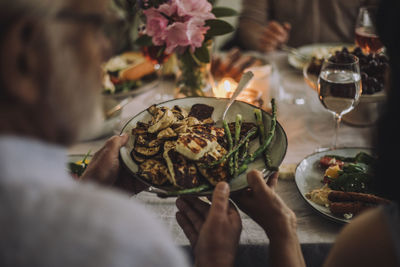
x=225 y=86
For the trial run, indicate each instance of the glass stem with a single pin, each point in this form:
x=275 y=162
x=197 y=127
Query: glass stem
x=338 y=119
x=161 y=96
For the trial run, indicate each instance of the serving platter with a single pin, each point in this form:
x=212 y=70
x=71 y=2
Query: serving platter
x=365 y=113
x=277 y=149
x=319 y=50
x=309 y=174
x=312 y=81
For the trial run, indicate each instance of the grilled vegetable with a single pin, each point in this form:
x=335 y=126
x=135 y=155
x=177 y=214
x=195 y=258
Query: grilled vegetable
x=230 y=146
x=137 y=158
x=194 y=190
x=245 y=128
x=147 y=151
x=154 y=143
x=218 y=173
x=201 y=111
x=263 y=136
x=169 y=145
x=167 y=133
x=238 y=125
x=147 y=140
x=153 y=110
x=235 y=148
x=243 y=152
x=141 y=128
x=166 y=120
x=179 y=113
x=154 y=171
x=261 y=149
x=183 y=172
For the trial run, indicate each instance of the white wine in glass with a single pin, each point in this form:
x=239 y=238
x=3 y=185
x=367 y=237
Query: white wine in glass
x=339 y=86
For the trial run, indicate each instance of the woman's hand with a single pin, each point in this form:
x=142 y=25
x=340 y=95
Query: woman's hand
x=274 y=36
x=213 y=231
x=105 y=167
x=265 y=207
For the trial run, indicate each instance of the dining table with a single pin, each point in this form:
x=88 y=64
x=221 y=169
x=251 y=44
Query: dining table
x=308 y=126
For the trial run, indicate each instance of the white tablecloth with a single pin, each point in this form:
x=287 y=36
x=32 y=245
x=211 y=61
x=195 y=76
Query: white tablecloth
x=308 y=127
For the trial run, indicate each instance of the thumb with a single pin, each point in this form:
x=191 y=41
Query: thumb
x=116 y=142
x=220 y=199
x=256 y=181
x=124 y=139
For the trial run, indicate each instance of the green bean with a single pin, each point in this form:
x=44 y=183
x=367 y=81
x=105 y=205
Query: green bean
x=230 y=145
x=238 y=126
x=252 y=132
x=193 y=190
x=271 y=133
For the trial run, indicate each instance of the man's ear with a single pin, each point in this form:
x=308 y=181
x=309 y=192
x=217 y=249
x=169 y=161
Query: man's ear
x=20 y=62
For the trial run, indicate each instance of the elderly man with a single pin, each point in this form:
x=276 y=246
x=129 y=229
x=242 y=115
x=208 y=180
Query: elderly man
x=50 y=54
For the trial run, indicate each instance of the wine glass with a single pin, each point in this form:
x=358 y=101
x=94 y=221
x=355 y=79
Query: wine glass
x=365 y=33
x=157 y=56
x=339 y=86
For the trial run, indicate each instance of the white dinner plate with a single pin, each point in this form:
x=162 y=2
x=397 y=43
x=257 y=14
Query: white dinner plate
x=277 y=148
x=309 y=175
x=318 y=50
x=147 y=86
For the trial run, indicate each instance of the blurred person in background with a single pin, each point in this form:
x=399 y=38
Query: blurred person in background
x=373 y=237
x=265 y=25
x=51 y=52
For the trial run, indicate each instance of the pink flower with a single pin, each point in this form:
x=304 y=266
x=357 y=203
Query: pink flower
x=169 y=8
x=156 y=25
x=185 y=26
x=196 y=32
x=200 y=9
x=176 y=36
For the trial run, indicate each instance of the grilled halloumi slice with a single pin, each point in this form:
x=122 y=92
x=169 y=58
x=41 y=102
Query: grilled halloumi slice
x=154 y=171
x=183 y=173
x=218 y=173
x=197 y=141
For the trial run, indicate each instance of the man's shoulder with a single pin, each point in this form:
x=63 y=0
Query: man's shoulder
x=97 y=220
x=80 y=202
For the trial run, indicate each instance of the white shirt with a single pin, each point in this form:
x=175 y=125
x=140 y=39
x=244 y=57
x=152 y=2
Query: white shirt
x=48 y=219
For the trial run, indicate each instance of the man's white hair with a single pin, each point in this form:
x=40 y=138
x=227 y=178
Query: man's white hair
x=11 y=10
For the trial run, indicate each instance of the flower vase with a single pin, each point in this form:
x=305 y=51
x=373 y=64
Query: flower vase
x=194 y=78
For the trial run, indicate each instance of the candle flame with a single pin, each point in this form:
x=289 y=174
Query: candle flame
x=225 y=87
